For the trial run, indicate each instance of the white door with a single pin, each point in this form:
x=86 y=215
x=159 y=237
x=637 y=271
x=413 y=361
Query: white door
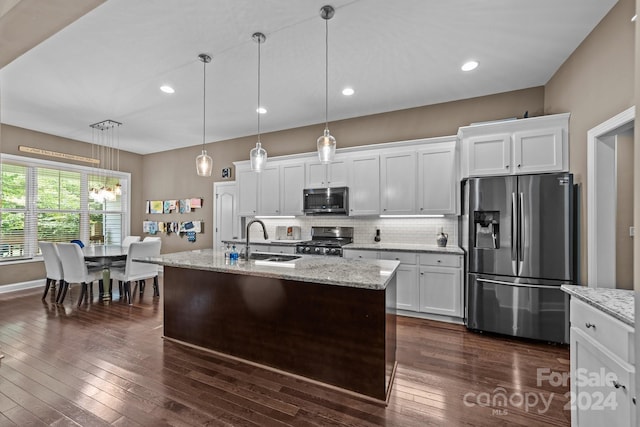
x=398 y=183
x=537 y=150
x=225 y=213
x=489 y=154
x=364 y=185
x=437 y=181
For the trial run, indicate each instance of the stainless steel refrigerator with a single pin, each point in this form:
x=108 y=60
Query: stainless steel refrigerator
x=520 y=250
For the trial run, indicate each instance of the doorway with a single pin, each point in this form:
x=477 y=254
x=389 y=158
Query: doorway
x=610 y=202
x=225 y=213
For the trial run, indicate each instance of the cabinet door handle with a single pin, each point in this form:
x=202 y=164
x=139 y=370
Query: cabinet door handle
x=422 y=273
x=506 y=166
x=518 y=164
x=590 y=325
x=439 y=261
x=633 y=399
x=616 y=384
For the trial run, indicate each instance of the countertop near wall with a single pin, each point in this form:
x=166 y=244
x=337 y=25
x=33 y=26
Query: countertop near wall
x=401 y=247
x=405 y=247
x=618 y=303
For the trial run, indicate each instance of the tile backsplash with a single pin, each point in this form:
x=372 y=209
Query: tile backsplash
x=392 y=230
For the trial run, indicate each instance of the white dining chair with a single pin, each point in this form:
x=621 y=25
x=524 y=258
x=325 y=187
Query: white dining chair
x=151 y=238
x=129 y=240
x=138 y=271
x=76 y=271
x=52 y=266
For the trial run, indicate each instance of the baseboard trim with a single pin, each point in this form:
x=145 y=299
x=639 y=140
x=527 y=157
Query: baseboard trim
x=14 y=287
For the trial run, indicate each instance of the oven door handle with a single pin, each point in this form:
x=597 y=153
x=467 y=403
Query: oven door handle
x=517 y=285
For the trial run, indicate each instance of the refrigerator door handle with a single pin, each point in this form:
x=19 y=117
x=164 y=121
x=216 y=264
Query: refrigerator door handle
x=517 y=285
x=521 y=236
x=514 y=243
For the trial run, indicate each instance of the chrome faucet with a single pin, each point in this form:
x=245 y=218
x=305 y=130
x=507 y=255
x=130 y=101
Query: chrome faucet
x=264 y=230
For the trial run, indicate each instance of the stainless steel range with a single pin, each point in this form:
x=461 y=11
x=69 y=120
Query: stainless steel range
x=326 y=241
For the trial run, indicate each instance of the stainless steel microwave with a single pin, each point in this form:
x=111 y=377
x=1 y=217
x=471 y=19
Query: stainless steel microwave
x=318 y=201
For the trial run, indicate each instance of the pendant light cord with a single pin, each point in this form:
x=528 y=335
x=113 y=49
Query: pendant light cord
x=204 y=99
x=258 y=108
x=326 y=74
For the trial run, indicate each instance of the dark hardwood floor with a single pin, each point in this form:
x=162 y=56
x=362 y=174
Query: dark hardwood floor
x=106 y=364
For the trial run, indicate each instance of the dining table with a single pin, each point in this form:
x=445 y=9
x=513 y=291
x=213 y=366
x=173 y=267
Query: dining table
x=105 y=256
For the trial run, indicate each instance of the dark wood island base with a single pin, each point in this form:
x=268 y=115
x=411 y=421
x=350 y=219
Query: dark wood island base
x=339 y=335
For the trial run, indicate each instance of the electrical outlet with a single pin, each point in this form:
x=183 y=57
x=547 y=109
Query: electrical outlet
x=632 y=231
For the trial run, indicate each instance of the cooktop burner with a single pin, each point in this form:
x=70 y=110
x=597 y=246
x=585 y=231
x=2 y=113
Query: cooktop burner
x=326 y=241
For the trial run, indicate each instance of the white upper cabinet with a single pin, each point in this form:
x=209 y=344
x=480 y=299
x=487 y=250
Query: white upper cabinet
x=398 y=183
x=534 y=145
x=321 y=175
x=489 y=155
x=269 y=191
x=438 y=179
x=364 y=185
x=538 y=150
x=291 y=186
x=258 y=193
x=247 y=192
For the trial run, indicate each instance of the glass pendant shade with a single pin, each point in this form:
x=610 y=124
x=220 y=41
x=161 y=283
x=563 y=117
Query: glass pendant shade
x=326 y=147
x=204 y=164
x=258 y=158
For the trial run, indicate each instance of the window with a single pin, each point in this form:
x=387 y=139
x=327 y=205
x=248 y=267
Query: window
x=49 y=201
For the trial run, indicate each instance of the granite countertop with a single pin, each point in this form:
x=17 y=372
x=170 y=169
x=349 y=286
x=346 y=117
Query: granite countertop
x=618 y=303
x=368 y=274
x=405 y=247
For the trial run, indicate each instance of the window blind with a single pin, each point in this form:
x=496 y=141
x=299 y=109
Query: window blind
x=48 y=201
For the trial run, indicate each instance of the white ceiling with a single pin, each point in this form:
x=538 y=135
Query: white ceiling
x=110 y=63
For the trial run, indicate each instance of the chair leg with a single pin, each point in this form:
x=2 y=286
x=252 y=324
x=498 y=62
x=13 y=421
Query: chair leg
x=63 y=292
x=83 y=294
x=127 y=292
x=90 y=291
x=120 y=288
x=46 y=287
x=156 y=289
x=143 y=284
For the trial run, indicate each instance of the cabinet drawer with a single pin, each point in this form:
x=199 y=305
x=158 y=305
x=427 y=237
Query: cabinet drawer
x=441 y=260
x=614 y=335
x=360 y=254
x=403 y=257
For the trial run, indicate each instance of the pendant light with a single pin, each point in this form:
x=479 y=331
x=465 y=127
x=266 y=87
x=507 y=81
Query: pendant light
x=258 y=155
x=204 y=162
x=326 y=143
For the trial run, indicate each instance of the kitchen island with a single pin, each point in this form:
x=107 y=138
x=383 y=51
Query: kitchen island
x=327 y=319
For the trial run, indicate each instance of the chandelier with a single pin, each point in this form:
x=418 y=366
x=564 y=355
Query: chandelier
x=106 y=148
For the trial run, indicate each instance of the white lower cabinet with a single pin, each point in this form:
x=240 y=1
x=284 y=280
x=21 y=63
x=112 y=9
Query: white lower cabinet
x=407 y=293
x=427 y=283
x=602 y=369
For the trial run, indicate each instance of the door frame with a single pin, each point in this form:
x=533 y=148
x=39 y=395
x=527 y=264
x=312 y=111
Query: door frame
x=598 y=137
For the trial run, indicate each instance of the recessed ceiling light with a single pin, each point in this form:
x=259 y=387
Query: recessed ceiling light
x=347 y=91
x=261 y=110
x=167 y=89
x=470 y=65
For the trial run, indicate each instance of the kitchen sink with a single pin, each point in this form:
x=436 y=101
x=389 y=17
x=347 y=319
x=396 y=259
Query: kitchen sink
x=272 y=257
